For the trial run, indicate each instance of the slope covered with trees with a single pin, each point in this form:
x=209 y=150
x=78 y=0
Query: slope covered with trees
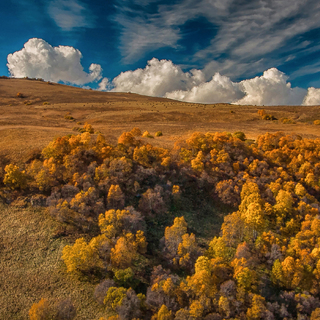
x=132 y=204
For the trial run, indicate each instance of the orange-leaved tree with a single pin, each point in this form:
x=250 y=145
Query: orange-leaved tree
x=41 y=310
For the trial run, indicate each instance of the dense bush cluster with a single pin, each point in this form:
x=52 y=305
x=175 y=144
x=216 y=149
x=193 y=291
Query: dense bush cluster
x=131 y=199
x=264 y=116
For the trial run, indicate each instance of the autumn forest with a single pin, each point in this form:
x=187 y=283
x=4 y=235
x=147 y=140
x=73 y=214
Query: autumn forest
x=217 y=227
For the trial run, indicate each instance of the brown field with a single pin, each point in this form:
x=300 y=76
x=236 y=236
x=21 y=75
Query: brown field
x=34 y=119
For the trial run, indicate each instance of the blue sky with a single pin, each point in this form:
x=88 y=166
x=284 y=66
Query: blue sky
x=237 y=39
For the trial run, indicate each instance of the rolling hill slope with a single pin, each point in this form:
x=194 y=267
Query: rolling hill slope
x=42 y=113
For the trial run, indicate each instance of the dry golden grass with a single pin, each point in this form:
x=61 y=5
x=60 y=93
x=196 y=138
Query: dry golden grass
x=35 y=119
x=31 y=267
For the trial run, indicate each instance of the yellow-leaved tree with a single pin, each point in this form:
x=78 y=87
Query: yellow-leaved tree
x=173 y=235
x=283 y=207
x=111 y=223
x=14 y=177
x=164 y=313
x=252 y=210
x=180 y=246
x=82 y=257
x=115 y=197
x=257 y=308
x=114 y=297
x=197 y=163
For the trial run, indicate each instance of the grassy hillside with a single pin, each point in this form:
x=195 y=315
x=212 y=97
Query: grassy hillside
x=42 y=113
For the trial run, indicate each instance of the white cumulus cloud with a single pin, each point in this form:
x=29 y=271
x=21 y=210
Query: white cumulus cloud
x=219 y=89
x=271 y=88
x=162 y=78
x=38 y=59
x=104 y=85
x=156 y=79
x=312 y=98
